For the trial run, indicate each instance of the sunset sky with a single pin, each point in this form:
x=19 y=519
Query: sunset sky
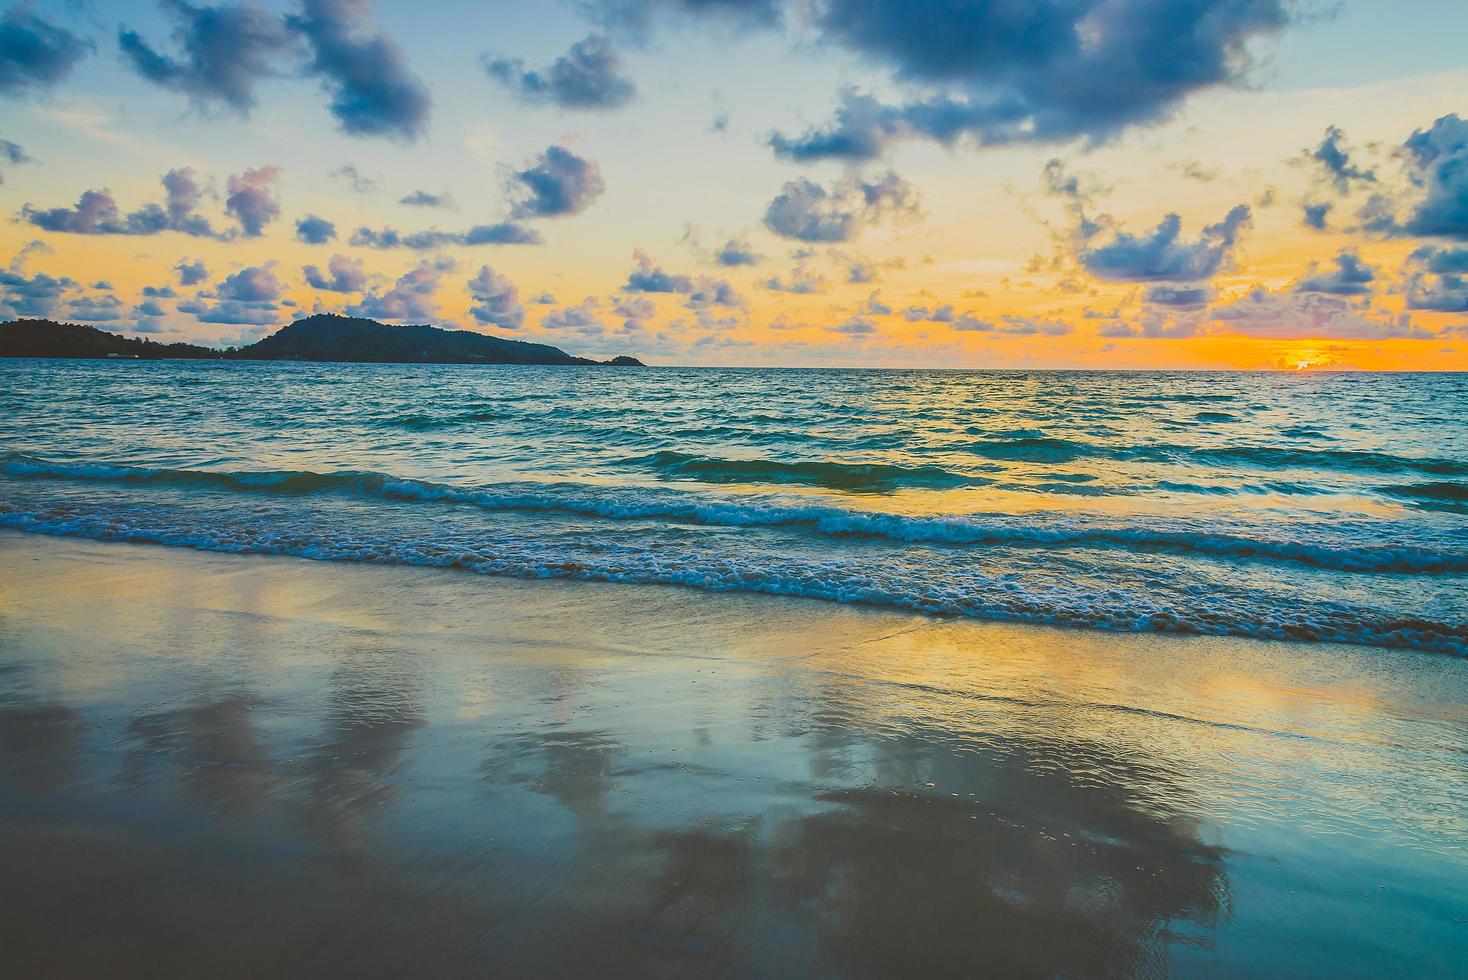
x=1043 y=183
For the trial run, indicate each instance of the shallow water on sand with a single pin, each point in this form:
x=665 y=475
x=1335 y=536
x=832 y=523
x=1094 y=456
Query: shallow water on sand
x=222 y=766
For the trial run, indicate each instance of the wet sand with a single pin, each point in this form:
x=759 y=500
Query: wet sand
x=222 y=766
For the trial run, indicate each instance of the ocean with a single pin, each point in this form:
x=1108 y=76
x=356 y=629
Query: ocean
x=1309 y=507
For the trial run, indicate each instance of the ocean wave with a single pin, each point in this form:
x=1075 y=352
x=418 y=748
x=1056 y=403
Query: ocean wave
x=974 y=595
x=1451 y=497
x=1058 y=450
x=1345 y=552
x=870 y=477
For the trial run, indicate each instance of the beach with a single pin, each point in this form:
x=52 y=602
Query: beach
x=234 y=765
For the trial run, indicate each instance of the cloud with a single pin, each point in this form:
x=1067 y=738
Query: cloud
x=736 y=252
x=1295 y=315
x=1350 y=277
x=314 y=230
x=1180 y=296
x=875 y=307
x=1023 y=71
x=802 y=279
x=95 y=309
x=34 y=53
x=343 y=275
x=423 y=199
x=1438 y=161
x=412 y=296
x=808 y=212
x=647 y=277
x=583 y=317
x=223 y=52
x=160 y=292
x=371 y=89
x=355 y=179
x=923 y=314
x=191 y=273
x=1162 y=256
x=503 y=233
x=1026 y=326
x=558 y=182
x=1437 y=279
x=12 y=153
x=586 y=77
x=855 y=326
x=637 y=310
x=714 y=292
x=1334 y=160
x=253 y=284
x=96 y=212
x=496 y=300
x=248 y=296
x=252 y=200
x=1315 y=215
x=636 y=19
x=23 y=295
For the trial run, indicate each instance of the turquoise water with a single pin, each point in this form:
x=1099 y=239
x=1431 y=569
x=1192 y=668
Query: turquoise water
x=1301 y=507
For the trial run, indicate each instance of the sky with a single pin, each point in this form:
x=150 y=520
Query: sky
x=905 y=183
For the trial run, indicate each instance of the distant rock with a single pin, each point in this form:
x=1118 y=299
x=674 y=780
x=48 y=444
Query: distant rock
x=323 y=337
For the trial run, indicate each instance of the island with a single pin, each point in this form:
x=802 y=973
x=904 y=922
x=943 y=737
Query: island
x=322 y=337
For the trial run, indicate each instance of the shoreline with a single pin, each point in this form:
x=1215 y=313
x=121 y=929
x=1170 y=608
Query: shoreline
x=393 y=768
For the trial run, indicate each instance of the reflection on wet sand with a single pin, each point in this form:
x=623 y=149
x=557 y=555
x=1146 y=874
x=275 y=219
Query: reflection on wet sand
x=375 y=802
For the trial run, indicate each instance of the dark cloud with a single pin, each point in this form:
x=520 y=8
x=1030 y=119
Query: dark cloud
x=586 y=77
x=1335 y=163
x=875 y=307
x=503 y=233
x=223 y=52
x=252 y=200
x=96 y=212
x=412 y=296
x=314 y=230
x=1029 y=326
x=343 y=275
x=808 y=212
x=1350 y=277
x=1315 y=215
x=366 y=76
x=1162 y=256
x=1437 y=279
x=496 y=300
x=34 y=53
x=558 y=182
x=191 y=273
x=423 y=199
x=648 y=277
x=1009 y=71
x=160 y=292
x=736 y=252
x=1438 y=161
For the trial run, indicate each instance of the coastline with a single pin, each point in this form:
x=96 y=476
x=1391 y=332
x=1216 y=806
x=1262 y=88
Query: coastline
x=399 y=768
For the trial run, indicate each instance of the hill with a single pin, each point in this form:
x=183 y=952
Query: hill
x=47 y=338
x=323 y=337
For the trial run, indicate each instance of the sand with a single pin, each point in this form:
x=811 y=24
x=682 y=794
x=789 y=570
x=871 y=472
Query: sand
x=222 y=766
